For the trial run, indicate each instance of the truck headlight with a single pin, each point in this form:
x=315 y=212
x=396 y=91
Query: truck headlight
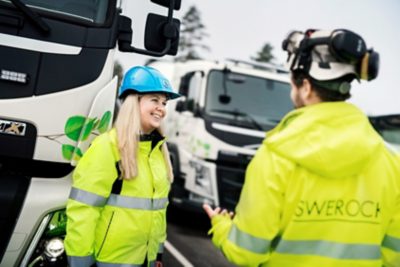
x=202 y=177
x=54 y=248
x=47 y=246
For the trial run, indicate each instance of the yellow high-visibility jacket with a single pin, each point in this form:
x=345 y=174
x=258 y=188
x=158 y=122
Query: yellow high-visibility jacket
x=117 y=222
x=322 y=190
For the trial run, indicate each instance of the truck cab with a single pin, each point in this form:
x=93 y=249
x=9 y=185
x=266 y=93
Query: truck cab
x=57 y=92
x=215 y=130
x=388 y=126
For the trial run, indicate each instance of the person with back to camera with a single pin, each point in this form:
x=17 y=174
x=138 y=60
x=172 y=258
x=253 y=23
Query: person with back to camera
x=323 y=189
x=117 y=206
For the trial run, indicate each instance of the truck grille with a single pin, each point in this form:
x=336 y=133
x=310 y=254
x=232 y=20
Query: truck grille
x=230 y=177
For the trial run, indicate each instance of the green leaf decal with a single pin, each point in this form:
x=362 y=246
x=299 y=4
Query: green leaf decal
x=96 y=124
x=67 y=151
x=88 y=129
x=78 y=154
x=105 y=121
x=74 y=126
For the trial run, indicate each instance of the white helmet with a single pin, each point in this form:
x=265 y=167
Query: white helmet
x=330 y=55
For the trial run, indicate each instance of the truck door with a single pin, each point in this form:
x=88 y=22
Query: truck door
x=189 y=107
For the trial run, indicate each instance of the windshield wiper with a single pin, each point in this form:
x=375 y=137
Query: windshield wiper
x=33 y=16
x=236 y=113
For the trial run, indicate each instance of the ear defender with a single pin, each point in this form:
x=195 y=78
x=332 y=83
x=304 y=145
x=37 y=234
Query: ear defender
x=347 y=46
x=344 y=46
x=369 y=65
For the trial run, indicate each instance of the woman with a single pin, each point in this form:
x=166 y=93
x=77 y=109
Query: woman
x=117 y=206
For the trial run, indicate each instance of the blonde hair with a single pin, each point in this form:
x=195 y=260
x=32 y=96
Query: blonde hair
x=128 y=127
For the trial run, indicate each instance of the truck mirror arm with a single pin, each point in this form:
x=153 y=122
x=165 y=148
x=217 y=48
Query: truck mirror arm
x=124 y=47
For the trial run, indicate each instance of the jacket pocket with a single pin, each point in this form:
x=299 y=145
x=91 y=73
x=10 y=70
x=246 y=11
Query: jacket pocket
x=106 y=234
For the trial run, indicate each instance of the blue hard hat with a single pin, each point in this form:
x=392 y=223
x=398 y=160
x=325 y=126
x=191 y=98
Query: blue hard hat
x=145 y=79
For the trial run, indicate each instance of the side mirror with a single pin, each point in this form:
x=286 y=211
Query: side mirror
x=224 y=99
x=161 y=36
x=180 y=106
x=188 y=105
x=159 y=32
x=167 y=3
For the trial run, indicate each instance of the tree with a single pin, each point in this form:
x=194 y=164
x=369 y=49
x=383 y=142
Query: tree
x=119 y=71
x=265 y=55
x=191 y=36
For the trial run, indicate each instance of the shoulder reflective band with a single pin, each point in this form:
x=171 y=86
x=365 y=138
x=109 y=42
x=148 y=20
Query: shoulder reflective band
x=247 y=241
x=137 y=202
x=330 y=249
x=80 y=260
x=87 y=197
x=392 y=243
x=105 y=264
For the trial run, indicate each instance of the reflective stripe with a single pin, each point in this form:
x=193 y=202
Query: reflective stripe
x=247 y=241
x=80 y=260
x=392 y=243
x=161 y=248
x=330 y=249
x=105 y=264
x=137 y=202
x=160 y=203
x=87 y=197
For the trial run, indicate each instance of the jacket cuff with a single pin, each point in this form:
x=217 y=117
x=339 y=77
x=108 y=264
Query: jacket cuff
x=216 y=220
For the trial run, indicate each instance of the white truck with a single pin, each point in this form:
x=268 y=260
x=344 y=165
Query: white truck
x=388 y=126
x=57 y=91
x=215 y=129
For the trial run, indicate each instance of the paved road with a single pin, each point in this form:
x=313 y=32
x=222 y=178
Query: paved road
x=187 y=232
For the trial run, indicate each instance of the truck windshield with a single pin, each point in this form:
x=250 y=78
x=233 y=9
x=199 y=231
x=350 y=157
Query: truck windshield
x=388 y=126
x=247 y=101
x=94 y=11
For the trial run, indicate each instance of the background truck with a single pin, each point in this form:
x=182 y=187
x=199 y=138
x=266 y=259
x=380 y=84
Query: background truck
x=215 y=129
x=388 y=126
x=57 y=91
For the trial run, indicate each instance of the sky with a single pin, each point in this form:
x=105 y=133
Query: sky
x=239 y=28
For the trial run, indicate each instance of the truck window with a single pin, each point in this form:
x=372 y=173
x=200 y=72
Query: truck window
x=194 y=86
x=89 y=10
x=388 y=126
x=254 y=102
x=392 y=136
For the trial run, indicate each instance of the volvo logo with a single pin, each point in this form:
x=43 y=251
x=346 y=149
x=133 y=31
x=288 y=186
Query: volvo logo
x=12 y=127
x=165 y=83
x=14 y=76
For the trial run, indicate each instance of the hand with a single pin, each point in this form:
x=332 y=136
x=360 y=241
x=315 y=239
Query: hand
x=159 y=264
x=212 y=212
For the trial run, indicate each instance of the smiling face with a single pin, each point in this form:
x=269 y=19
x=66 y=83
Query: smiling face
x=152 y=111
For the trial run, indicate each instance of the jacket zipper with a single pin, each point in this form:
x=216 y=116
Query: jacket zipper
x=151 y=213
x=105 y=235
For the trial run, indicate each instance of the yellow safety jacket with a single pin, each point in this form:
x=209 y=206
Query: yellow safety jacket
x=322 y=190
x=116 y=222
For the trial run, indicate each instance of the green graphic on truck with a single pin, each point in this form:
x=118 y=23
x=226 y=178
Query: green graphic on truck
x=79 y=128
